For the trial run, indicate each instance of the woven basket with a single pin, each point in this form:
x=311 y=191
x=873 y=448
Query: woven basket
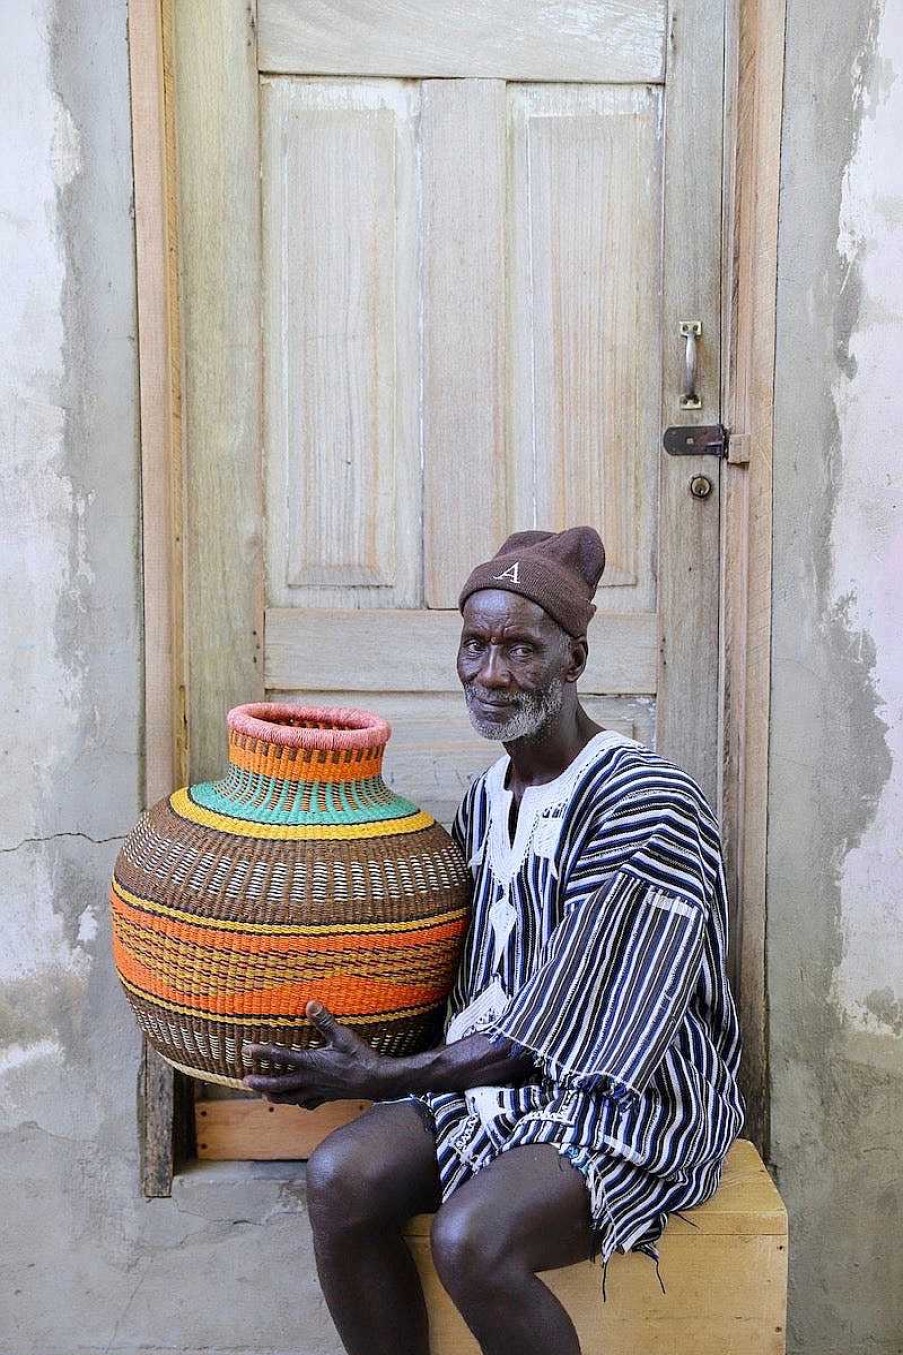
x=299 y=875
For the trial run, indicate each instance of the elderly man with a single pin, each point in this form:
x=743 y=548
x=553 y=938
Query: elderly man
x=586 y=1087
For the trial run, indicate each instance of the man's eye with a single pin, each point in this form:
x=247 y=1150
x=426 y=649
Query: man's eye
x=471 y=646
x=522 y=651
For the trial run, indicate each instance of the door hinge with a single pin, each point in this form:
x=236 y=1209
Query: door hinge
x=696 y=440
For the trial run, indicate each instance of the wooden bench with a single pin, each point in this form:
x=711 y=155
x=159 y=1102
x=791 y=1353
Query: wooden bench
x=726 y=1280
x=725 y=1274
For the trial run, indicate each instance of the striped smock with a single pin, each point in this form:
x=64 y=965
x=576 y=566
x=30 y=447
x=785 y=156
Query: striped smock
x=598 y=942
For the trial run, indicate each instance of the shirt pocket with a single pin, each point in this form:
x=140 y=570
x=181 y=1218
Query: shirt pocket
x=546 y=837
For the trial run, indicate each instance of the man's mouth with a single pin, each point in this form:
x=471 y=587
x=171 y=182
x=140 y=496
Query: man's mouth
x=489 y=702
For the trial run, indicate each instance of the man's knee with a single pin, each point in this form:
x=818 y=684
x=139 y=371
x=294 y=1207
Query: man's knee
x=346 y=1184
x=380 y=1169
x=468 y=1248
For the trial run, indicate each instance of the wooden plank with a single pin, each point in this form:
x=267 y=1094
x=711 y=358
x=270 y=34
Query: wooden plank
x=341 y=343
x=752 y=176
x=586 y=318
x=724 y=1296
x=158 y=347
x=434 y=752
x=156 y=1115
x=689 y=527
x=159 y=365
x=596 y=40
x=746 y=1201
x=465 y=439
x=216 y=88
x=255 y=1131
x=414 y=651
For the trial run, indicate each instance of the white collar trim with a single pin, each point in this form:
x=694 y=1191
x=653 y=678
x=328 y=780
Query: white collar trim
x=539 y=816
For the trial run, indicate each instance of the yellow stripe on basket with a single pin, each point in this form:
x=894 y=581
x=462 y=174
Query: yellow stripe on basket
x=185 y=807
x=291 y=928
x=300 y=1022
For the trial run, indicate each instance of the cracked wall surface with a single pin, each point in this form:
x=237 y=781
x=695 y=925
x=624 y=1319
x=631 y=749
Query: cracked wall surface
x=835 y=884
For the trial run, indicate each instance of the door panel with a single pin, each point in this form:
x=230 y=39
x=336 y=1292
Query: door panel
x=414 y=651
x=341 y=348
x=434 y=753
x=599 y=40
x=586 y=298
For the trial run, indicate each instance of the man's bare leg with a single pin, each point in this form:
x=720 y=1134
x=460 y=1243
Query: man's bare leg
x=527 y=1211
x=364 y=1182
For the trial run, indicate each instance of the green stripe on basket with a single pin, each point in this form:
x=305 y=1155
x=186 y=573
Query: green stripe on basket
x=363 y=802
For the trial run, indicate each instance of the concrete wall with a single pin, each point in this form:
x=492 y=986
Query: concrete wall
x=85 y=1264
x=835 y=884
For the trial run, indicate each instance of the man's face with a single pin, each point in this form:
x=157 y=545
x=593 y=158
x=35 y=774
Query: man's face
x=512 y=658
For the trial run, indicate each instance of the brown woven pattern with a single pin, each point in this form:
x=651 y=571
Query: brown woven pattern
x=217 y=876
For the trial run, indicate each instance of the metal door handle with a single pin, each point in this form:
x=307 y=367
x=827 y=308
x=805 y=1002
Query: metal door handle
x=690 y=330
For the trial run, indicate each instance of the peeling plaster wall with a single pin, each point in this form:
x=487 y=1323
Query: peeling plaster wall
x=69 y=570
x=835 y=884
x=867 y=531
x=87 y=1265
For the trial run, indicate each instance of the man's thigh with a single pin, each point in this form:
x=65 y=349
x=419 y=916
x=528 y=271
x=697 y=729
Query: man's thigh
x=382 y=1165
x=530 y=1204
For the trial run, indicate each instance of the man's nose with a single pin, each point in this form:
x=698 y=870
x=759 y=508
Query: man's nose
x=494 y=669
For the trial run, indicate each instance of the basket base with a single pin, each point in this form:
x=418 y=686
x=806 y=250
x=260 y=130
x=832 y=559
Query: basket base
x=203 y=1076
x=395 y=1039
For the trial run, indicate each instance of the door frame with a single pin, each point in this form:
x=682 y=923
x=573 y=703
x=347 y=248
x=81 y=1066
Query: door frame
x=752 y=110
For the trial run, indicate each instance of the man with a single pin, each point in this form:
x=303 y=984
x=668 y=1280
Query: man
x=587 y=1086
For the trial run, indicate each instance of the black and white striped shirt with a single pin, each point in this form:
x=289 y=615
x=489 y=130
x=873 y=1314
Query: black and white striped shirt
x=599 y=941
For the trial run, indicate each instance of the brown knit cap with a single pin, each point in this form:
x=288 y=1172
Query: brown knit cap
x=558 y=570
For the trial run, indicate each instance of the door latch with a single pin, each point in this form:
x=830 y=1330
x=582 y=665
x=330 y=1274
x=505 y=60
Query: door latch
x=696 y=440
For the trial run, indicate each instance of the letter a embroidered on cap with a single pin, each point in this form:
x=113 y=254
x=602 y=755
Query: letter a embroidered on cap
x=510 y=573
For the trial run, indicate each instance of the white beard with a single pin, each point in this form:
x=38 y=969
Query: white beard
x=530 y=714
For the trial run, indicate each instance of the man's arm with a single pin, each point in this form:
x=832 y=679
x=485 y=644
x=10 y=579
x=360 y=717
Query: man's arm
x=346 y=1066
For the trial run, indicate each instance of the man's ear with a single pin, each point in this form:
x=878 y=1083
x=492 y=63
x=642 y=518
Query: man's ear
x=578 y=653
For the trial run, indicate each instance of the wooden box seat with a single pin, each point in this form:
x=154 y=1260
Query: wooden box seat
x=725 y=1275
x=725 y=1272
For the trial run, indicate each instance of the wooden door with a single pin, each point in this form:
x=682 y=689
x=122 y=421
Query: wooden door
x=433 y=265
x=434 y=262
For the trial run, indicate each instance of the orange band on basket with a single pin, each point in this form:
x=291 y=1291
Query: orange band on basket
x=341 y=993
x=303 y=764
x=432 y=931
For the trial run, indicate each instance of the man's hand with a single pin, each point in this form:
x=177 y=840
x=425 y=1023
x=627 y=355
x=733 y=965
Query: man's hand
x=345 y=1066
